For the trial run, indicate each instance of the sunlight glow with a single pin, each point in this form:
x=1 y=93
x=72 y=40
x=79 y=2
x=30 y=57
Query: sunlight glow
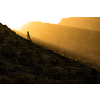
x=15 y=13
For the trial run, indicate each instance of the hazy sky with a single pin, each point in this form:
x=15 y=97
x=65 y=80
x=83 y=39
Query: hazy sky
x=15 y=13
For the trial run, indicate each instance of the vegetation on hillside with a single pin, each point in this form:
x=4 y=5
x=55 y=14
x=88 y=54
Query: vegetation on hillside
x=24 y=62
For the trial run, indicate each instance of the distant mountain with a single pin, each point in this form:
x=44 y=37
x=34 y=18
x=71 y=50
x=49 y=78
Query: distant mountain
x=24 y=62
x=91 y=23
x=66 y=40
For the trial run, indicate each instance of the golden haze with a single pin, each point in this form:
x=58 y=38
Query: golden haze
x=76 y=41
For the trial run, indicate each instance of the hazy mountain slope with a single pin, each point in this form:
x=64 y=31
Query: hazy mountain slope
x=22 y=61
x=81 y=42
x=20 y=33
x=91 y=23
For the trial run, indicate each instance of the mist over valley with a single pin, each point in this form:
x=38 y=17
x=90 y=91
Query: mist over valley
x=75 y=37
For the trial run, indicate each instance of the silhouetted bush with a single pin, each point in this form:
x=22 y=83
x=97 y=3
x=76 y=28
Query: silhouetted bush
x=57 y=75
x=46 y=72
x=94 y=74
x=24 y=60
x=18 y=67
x=5 y=80
x=27 y=52
x=38 y=69
x=3 y=69
x=15 y=68
x=4 y=66
x=9 y=51
x=27 y=79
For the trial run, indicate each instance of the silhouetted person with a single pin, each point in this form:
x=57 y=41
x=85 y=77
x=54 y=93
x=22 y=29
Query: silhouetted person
x=28 y=36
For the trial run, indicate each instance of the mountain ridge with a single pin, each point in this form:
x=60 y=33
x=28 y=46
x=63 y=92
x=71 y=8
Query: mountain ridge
x=91 y=23
x=24 y=62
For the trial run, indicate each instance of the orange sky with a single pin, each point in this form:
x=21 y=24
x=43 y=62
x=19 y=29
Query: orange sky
x=16 y=13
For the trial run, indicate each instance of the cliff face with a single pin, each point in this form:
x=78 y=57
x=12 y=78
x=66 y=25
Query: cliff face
x=91 y=23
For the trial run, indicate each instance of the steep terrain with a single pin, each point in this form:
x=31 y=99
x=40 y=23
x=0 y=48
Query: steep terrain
x=22 y=61
x=67 y=40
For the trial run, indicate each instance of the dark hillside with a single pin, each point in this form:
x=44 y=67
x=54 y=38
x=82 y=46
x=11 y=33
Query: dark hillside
x=22 y=61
